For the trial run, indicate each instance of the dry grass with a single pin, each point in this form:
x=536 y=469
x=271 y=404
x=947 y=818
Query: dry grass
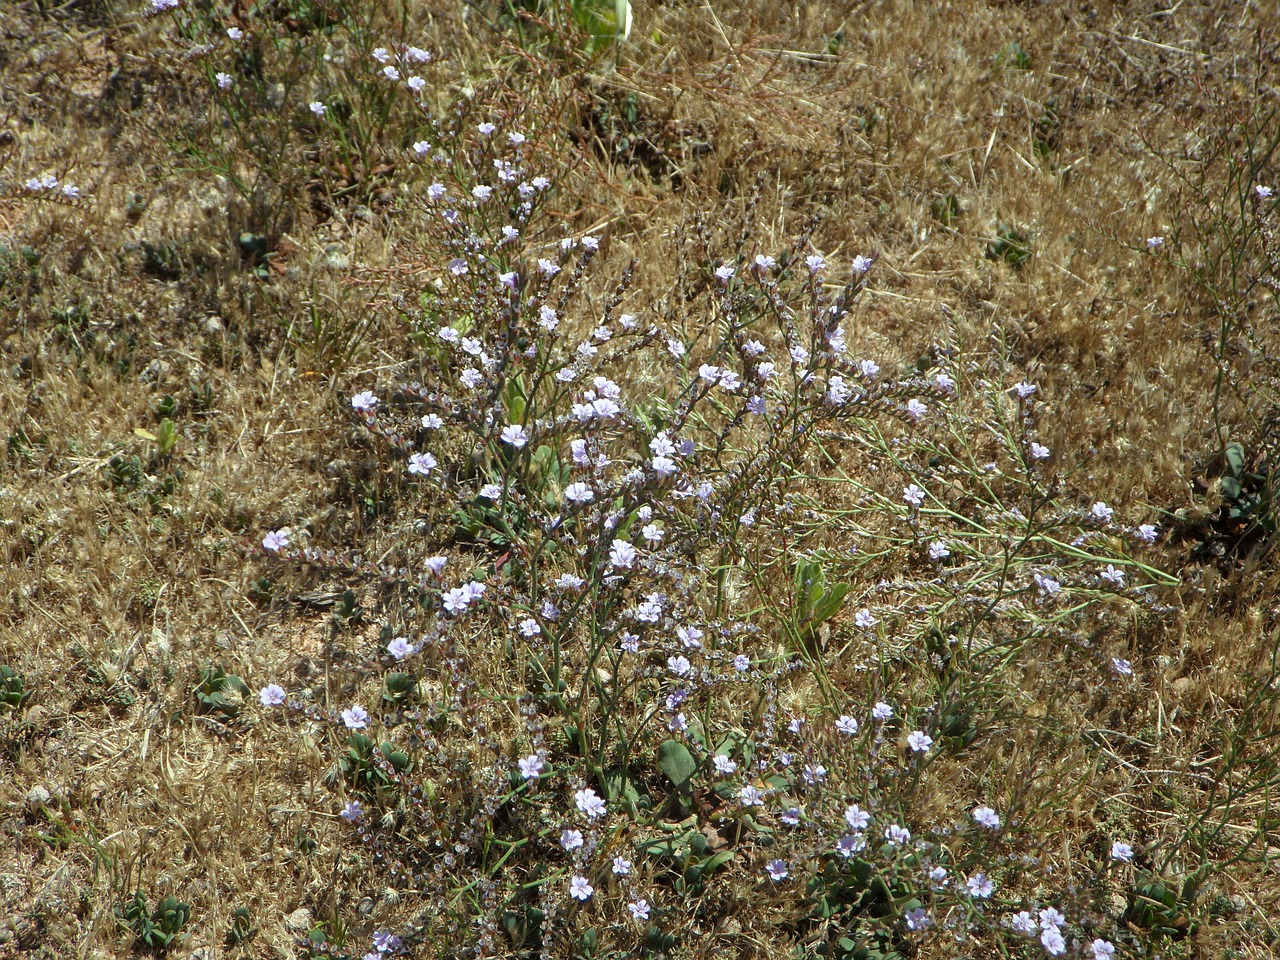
x=899 y=130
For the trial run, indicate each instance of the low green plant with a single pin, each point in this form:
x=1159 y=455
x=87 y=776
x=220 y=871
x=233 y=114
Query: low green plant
x=1012 y=245
x=156 y=930
x=13 y=691
x=220 y=693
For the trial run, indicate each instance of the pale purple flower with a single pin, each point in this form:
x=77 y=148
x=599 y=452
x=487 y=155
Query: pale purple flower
x=486 y=128
x=1121 y=667
x=1050 y=917
x=531 y=767
x=432 y=421
x=1024 y=923
x=621 y=866
x=913 y=495
x=857 y=818
x=1153 y=242
x=749 y=796
x=777 y=870
x=490 y=491
x=916 y=409
x=847 y=725
x=548 y=268
x=223 y=80
x=1049 y=587
x=436 y=564
x=850 y=845
x=421 y=464
x=679 y=666
x=724 y=273
x=622 y=554
x=1113 y=576
x=1038 y=451
x=590 y=803
x=860 y=265
x=275 y=540
x=639 y=909
x=364 y=402
x=386 y=942
x=580 y=889
x=1263 y=193
x=1101 y=512
x=815 y=263
x=1121 y=851
x=416 y=84
x=919 y=741
x=482 y=192
x=869 y=369
x=742 y=663
x=571 y=839
x=400 y=648
x=979 y=886
x=939 y=550
x=1053 y=941
x=391 y=72
x=986 y=817
x=882 y=711
x=318 y=108
x=352 y=812
x=355 y=717
x=917 y=918
x=1147 y=533
x=1102 y=949
x=764 y=262
x=944 y=382
x=724 y=765
x=897 y=835
x=1024 y=389
x=272 y=695
x=864 y=620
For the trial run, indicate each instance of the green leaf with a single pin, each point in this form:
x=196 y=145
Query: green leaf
x=676 y=763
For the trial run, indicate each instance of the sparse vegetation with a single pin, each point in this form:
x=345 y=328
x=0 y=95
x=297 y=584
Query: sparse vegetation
x=567 y=479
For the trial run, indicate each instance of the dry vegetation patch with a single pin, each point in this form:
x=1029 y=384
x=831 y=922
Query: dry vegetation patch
x=1006 y=485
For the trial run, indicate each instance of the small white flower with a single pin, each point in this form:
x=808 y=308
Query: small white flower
x=1263 y=193
x=1121 y=851
x=578 y=492
x=749 y=796
x=580 y=889
x=864 y=620
x=679 y=666
x=1102 y=949
x=1101 y=512
x=515 y=435
x=860 y=265
x=639 y=909
x=882 y=711
x=913 y=495
x=1113 y=576
x=897 y=835
x=223 y=80
x=915 y=409
x=1153 y=242
x=621 y=866
x=847 y=725
x=857 y=818
x=724 y=765
x=1147 y=533
x=571 y=839
x=815 y=263
x=1053 y=941
x=355 y=717
x=318 y=108
x=390 y=72
x=1038 y=451
x=938 y=550
x=1024 y=389
x=272 y=695
x=365 y=402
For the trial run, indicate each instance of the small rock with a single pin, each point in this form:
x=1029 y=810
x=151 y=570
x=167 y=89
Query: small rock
x=299 y=921
x=38 y=797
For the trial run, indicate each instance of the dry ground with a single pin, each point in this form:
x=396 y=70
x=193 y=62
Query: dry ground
x=907 y=126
